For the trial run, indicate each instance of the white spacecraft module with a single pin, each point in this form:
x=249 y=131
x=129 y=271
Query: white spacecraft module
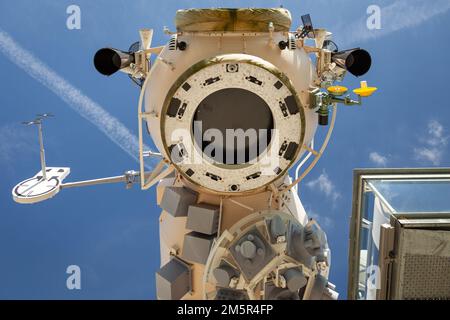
x=232 y=102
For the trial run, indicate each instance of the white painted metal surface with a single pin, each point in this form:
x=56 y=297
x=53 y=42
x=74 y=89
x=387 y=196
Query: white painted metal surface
x=38 y=188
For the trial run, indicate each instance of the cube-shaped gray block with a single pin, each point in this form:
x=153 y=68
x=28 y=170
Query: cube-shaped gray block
x=224 y=273
x=203 y=218
x=172 y=280
x=196 y=247
x=176 y=200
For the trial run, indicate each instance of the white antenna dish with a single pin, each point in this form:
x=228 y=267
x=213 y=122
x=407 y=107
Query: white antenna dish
x=49 y=180
x=38 y=188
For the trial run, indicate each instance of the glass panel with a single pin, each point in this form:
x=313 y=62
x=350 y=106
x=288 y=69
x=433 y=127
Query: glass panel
x=374 y=214
x=415 y=196
x=385 y=195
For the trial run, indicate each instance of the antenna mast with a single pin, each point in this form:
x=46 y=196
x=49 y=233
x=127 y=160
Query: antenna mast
x=41 y=150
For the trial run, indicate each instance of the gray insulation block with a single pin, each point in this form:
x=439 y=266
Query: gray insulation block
x=172 y=280
x=203 y=218
x=196 y=247
x=176 y=200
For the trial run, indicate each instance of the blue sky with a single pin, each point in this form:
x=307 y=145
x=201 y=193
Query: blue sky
x=112 y=233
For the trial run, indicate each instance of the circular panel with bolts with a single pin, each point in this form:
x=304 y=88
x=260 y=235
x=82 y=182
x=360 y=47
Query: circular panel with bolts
x=232 y=124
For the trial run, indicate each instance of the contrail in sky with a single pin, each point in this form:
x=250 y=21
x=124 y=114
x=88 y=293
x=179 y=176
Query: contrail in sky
x=85 y=106
x=396 y=16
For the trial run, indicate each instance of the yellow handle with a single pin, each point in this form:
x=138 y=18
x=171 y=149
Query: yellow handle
x=364 y=90
x=337 y=90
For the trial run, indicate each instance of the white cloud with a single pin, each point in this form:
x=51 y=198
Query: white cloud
x=436 y=134
x=15 y=140
x=432 y=155
x=378 y=159
x=433 y=145
x=400 y=14
x=87 y=108
x=325 y=185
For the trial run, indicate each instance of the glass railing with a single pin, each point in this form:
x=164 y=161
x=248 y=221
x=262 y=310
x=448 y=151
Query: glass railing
x=381 y=197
